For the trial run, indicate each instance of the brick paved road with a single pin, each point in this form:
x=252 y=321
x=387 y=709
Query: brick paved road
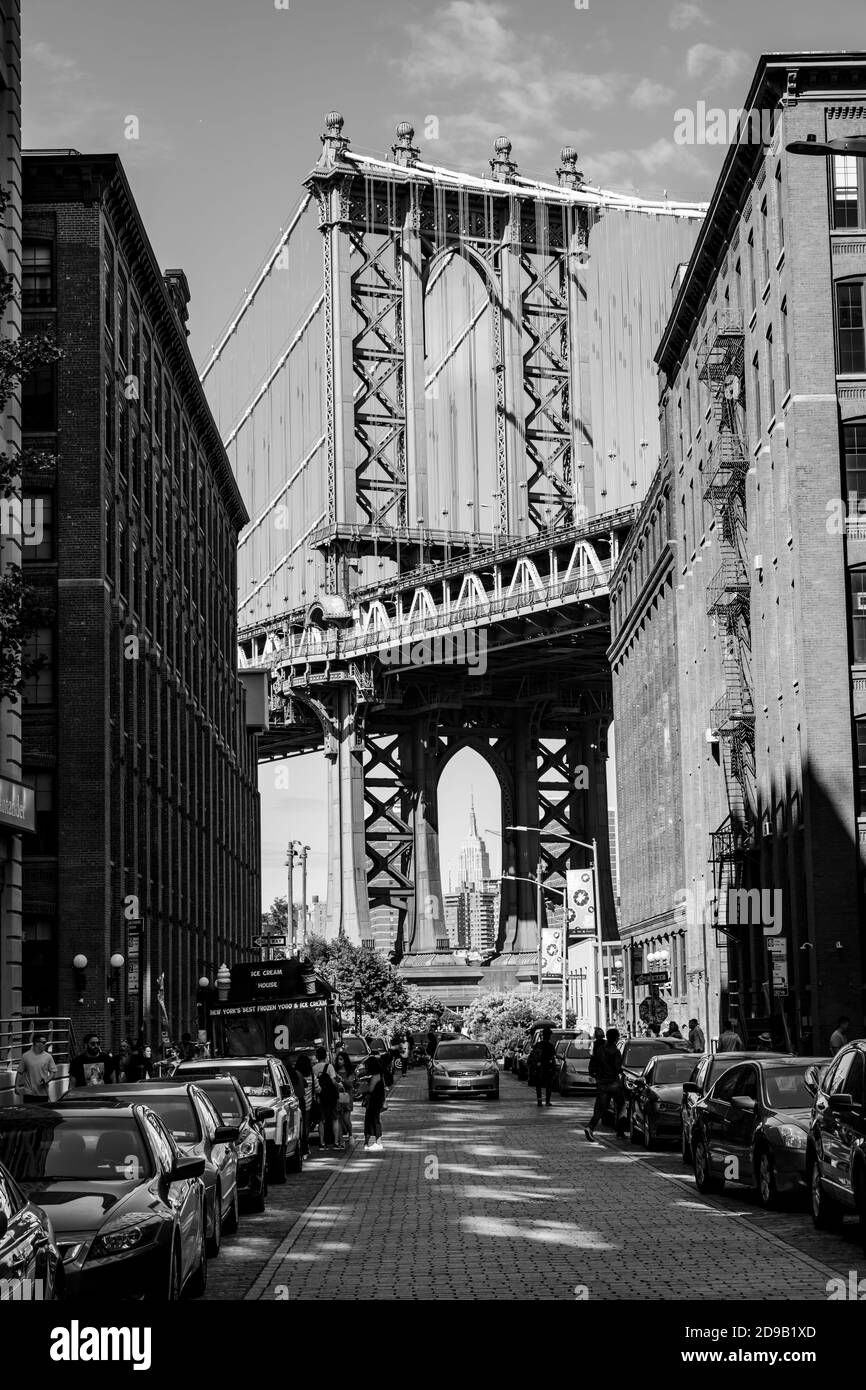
x=473 y=1200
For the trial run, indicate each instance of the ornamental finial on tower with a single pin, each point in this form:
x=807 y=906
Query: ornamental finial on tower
x=334 y=142
x=404 y=151
x=503 y=166
x=568 y=174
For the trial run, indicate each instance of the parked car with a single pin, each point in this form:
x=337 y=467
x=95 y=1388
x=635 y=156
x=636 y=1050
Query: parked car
x=836 y=1145
x=31 y=1266
x=573 y=1073
x=752 y=1126
x=521 y=1062
x=557 y=1035
x=636 y=1052
x=707 y=1072
x=510 y=1052
x=232 y=1104
x=127 y=1206
x=359 y=1052
x=463 y=1068
x=269 y=1087
x=654 y=1107
x=197 y=1129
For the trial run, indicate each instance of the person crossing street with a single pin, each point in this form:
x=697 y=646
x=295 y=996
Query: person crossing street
x=605 y=1065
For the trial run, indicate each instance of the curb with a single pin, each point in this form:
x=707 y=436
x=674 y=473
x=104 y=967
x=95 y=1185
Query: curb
x=265 y=1277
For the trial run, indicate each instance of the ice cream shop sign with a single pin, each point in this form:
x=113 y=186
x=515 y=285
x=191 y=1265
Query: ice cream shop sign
x=17 y=806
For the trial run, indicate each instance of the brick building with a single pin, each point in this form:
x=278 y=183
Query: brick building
x=135 y=733
x=739 y=643
x=16 y=808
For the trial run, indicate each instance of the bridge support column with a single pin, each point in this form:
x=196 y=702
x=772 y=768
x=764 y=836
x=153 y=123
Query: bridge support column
x=428 y=923
x=521 y=927
x=348 y=904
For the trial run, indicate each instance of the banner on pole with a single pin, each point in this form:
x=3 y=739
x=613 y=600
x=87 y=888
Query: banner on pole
x=580 y=892
x=552 y=955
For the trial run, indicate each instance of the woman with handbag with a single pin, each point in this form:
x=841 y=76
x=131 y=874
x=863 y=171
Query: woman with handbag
x=345 y=1082
x=374 y=1102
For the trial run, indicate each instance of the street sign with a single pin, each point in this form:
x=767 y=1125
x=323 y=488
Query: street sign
x=777 y=945
x=652 y=977
x=270 y=940
x=653 y=1010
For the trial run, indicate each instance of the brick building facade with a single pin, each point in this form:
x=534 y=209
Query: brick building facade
x=135 y=734
x=735 y=607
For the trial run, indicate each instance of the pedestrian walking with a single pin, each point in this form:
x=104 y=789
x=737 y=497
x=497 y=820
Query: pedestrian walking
x=404 y=1054
x=36 y=1070
x=729 y=1039
x=673 y=1030
x=374 y=1103
x=300 y=1091
x=697 y=1041
x=304 y=1067
x=328 y=1096
x=346 y=1084
x=839 y=1036
x=605 y=1066
x=92 y=1067
x=542 y=1066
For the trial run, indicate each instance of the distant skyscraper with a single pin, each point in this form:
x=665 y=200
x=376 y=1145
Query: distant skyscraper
x=474 y=862
x=614 y=850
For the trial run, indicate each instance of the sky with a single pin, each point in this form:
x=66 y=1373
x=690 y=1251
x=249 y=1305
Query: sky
x=229 y=96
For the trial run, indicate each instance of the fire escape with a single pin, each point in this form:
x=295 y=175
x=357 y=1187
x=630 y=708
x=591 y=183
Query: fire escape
x=721 y=368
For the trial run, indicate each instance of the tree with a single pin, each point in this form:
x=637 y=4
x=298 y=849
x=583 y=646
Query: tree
x=275 y=922
x=498 y=1017
x=18 y=614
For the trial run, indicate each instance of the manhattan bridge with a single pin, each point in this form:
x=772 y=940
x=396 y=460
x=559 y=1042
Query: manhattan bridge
x=439 y=401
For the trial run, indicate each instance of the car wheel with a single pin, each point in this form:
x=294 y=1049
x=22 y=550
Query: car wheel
x=705 y=1181
x=431 y=1095
x=765 y=1180
x=277 y=1171
x=230 y=1224
x=215 y=1238
x=649 y=1137
x=295 y=1163
x=633 y=1135
x=494 y=1095
x=827 y=1213
x=196 y=1286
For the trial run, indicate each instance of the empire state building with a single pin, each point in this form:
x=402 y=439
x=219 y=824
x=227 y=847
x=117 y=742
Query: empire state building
x=474 y=860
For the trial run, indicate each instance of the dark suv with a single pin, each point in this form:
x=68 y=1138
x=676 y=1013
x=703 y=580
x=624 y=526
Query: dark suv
x=836 y=1148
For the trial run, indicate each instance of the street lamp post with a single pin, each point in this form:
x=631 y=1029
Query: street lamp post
x=599 y=945
x=539 y=888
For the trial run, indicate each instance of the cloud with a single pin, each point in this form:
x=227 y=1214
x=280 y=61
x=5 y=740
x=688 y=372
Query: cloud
x=648 y=94
x=510 y=87
x=723 y=63
x=626 y=170
x=687 y=16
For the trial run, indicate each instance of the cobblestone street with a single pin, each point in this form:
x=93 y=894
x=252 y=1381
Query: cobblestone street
x=480 y=1200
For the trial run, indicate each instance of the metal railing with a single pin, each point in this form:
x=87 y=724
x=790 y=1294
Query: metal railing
x=16 y=1035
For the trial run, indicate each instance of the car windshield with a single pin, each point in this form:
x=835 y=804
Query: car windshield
x=356 y=1047
x=786 y=1089
x=225 y=1100
x=637 y=1054
x=256 y=1080
x=177 y=1114
x=668 y=1071
x=462 y=1052
x=84 y=1147
x=579 y=1048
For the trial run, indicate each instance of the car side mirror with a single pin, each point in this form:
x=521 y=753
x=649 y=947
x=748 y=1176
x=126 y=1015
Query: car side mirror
x=226 y=1134
x=264 y=1114
x=743 y=1103
x=184 y=1168
x=810 y=1078
x=841 y=1102
x=690 y=1088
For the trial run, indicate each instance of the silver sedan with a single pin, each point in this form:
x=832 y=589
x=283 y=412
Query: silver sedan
x=461 y=1067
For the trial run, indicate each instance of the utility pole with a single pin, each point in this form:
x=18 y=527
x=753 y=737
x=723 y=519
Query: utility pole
x=290 y=923
x=538 y=915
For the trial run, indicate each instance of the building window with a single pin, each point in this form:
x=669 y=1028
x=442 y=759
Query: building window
x=850 y=327
x=786 y=356
x=122 y=557
x=108 y=412
x=860 y=726
x=780 y=215
x=857 y=590
x=39 y=399
x=38 y=689
x=765 y=241
x=771 y=380
x=854 y=457
x=122 y=317
x=123 y=439
x=45 y=839
x=146 y=376
x=136 y=581
x=109 y=542
x=753 y=290
x=756 y=394
x=39 y=526
x=37 y=275
x=108 y=290
x=157 y=399
x=849 y=191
